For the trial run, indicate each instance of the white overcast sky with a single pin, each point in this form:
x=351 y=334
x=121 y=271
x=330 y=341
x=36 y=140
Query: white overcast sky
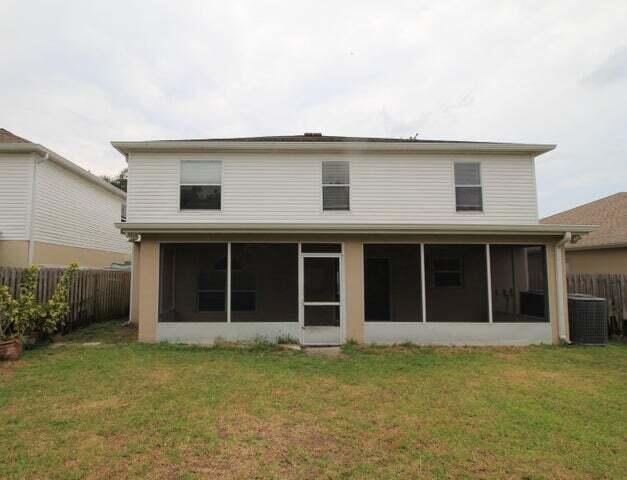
x=75 y=75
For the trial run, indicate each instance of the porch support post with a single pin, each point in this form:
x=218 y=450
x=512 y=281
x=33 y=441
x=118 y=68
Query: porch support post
x=489 y=283
x=301 y=296
x=423 y=286
x=552 y=279
x=149 y=292
x=135 y=287
x=228 y=282
x=354 y=281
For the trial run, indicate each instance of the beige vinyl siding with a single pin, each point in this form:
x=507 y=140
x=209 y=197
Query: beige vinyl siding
x=286 y=187
x=70 y=210
x=16 y=178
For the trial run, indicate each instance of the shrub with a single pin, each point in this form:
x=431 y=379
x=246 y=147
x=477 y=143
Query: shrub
x=24 y=315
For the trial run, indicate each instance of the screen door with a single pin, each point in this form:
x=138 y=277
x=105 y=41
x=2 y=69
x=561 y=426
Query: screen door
x=321 y=305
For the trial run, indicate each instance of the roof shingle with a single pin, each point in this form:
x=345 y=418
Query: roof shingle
x=318 y=137
x=8 y=137
x=610 y=213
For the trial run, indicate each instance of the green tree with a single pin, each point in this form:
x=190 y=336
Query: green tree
x=119 y=180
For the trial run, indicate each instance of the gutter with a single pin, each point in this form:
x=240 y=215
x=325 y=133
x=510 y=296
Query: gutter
x=559 y=273
x=344 y=228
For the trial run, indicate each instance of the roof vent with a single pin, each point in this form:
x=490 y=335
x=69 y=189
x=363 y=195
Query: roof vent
x=313 y=134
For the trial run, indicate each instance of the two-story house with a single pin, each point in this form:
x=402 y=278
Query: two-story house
x=53 y=212
x=328 y=239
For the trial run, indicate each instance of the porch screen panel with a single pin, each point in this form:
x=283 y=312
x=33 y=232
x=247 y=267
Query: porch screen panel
x=264 y=282
x=166 y=283
x=193 y=282
x=518 y=277
x=456 y=283
x=392 y=287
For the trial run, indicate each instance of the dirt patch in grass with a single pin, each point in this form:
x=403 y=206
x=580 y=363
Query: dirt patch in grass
x=112 y=331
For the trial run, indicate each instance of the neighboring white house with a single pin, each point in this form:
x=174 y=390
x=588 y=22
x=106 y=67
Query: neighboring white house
x=326 y=239
x=53 y=212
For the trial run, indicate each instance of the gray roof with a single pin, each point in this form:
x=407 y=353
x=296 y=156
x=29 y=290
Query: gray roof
x=318 y=137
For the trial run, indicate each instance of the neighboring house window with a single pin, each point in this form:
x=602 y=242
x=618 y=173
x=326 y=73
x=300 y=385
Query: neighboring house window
x=468 y=194
x=201 y=185
x=123 y=213
x=447 y=272
x=335 y=185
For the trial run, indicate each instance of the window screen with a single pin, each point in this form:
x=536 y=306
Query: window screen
x=193 y=282
x=392 y=283
x=456 y=287
x=468 y=192
x=518 y=274
x=201 y=185
x=264 y=282
x=335 y=185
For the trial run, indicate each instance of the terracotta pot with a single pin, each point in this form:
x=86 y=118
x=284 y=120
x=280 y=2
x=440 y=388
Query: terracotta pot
x=10 y=349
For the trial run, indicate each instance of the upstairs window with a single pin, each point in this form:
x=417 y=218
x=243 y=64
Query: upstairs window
x=201 y=185
x=468 y=193
x=335 y=185
x=123 y=213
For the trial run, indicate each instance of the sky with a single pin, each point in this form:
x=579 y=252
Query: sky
x=75 y=75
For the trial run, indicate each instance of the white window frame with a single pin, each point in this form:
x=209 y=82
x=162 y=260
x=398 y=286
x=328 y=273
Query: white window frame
x=322 y=185
x=479 y=185
x=197 y=184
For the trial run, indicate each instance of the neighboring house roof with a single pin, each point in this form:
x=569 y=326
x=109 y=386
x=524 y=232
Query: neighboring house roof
x=610 y=213
x=11 y=143
x=319 y=142
x=8 y=137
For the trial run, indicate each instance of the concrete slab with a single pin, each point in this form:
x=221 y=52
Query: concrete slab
x=324 y=351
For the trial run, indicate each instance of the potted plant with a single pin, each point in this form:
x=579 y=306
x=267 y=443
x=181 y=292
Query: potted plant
x=11 y=329
x=23 y=316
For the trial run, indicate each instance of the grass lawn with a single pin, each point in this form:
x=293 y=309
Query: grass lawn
x=123 y=409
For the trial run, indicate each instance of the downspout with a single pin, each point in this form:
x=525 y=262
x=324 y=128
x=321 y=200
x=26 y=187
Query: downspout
x=559 y=273
x=33 y=201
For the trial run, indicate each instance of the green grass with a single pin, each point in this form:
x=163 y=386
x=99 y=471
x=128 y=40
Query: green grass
x=122 y=409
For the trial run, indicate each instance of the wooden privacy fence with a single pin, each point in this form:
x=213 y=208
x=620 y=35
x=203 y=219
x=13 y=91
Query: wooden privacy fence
x=95 y=295
x=611 y=286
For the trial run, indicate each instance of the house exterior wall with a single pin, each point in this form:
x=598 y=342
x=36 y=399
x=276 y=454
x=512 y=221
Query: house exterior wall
x=72 y=211
x=16 y=178
x=50 y=254
x=148 y=297
x=356 y=328
x=14 y=253
x=286 y=187
x=602 y=260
